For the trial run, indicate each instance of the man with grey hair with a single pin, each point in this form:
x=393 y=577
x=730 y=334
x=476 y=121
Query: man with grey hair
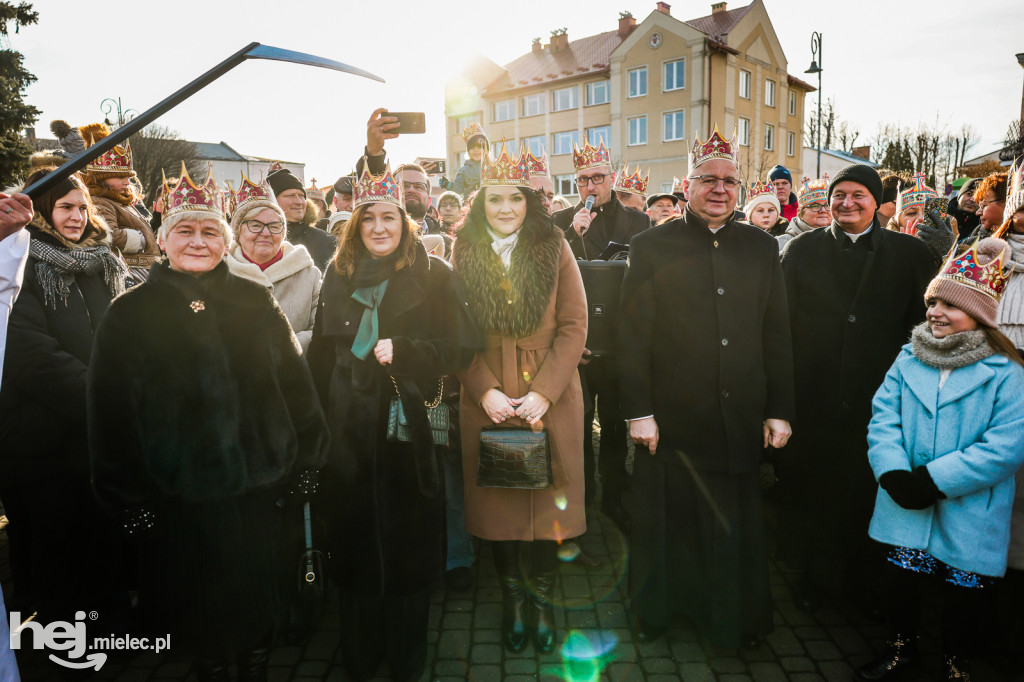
x=706 y=372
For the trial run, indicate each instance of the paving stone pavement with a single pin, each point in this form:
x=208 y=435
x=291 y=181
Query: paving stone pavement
x=596 y=642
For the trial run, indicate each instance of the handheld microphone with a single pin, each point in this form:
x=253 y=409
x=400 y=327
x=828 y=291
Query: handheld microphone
x=589 y=203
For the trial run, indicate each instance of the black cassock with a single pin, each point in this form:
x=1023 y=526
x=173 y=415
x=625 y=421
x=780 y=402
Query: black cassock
x=704 y=347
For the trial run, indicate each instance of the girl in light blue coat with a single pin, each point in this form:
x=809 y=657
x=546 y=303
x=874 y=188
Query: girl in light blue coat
x=945 y=439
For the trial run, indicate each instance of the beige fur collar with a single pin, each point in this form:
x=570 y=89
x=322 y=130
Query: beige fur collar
x=295 y=260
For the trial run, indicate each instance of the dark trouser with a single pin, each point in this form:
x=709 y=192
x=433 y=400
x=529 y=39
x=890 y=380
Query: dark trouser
x=525 y=559
x=392 y=628
x=603 y=385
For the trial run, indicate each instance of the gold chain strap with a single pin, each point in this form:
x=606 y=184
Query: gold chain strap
x=431 y=405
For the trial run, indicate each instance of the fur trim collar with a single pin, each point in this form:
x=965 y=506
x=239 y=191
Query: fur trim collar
x=96 y=233
x=511 y=302
x=295 y=259
x=107 y=193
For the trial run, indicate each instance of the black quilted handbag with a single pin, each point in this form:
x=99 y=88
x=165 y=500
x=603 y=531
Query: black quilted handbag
x=514 y=457
x=437 y=414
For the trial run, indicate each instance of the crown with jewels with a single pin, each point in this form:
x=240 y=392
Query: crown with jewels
x=249 y=191
x=1014 y=189
x=632 y=183
x=315 y=193
x=228 y=202
x=591 y=157
x=538 y=166
x=677 y=186
x=917 y=194
x=471 y=130
x=812 y=191
x=504 y=170
x=275 y=166
x=989 y=278
x=377 y=189
x=760 y=189
x=116 y=160
x=716 y=147
x=187 y=196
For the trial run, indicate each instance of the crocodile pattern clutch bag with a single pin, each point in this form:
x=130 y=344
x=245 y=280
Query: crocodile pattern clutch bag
x=514 y=457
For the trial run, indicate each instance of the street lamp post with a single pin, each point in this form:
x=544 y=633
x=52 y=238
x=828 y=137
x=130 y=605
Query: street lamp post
x=110 y=104
x=816 y=62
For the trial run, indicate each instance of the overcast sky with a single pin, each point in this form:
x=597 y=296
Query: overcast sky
x=883 y=61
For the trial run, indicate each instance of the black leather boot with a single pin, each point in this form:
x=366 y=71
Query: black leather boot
x=543 y=612
x=955 y=668
x=513 y=621
x=252 y=664
x=899 y=656
x=211 y=671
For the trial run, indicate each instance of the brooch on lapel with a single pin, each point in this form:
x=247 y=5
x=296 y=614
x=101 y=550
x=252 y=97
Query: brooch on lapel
x=197 y=306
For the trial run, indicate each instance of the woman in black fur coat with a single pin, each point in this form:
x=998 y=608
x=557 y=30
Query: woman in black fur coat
x=391 y=318
x=202 y=419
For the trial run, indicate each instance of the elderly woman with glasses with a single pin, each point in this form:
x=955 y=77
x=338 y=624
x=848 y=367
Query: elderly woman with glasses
x=813 y=211
x=261 y=254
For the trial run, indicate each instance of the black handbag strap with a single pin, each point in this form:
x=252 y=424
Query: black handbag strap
x=430 y=405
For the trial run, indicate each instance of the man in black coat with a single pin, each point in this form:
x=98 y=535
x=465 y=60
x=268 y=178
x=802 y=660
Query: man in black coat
x=706 y=375
x=855 y=291
x=291 y=197
x=589 y=233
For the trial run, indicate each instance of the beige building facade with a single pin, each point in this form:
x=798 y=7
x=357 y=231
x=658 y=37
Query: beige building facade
x=645 y=89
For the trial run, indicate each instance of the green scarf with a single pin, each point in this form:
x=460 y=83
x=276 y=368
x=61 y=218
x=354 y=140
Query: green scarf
x=369 y=328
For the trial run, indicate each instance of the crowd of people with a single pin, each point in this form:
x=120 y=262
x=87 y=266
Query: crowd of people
x=190 y=394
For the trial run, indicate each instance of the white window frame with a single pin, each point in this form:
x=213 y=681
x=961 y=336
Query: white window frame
x=790 y=143
x=594 y=140
x=554 y=141
x=664 y=74
x=629 y=130
x=574 y=91
x=592 y=87
x=629 y=82
x=792 y=102
x=769 y=92
x=744 y=131
x=681 y=133
x=537 y=140
x=508 y=110
x=510 y=145
x=746 y=78
x=769 y=137
x=560 y=181
x=537 y=97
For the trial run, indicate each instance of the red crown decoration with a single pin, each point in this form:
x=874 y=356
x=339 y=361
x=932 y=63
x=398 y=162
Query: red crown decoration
x=591 y=157
x=377 y=189
x=504 y=170
x=677 y=185
x=760 y=189
x=538 y=167
x=716 y=147
x=250 y=191
x=917 y=194
x=990 y=278
x=1014 y=189
x=625 y=182
x=229 y=204
x=812 y=191
x=187 y=196
x=116 y=160
x=315 y=193
x=472 y=129
x=275 y=166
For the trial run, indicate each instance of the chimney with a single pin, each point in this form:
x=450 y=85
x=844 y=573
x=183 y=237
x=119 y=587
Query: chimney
x=665 y=7
x=537 y=47
x=863 y=152
x=717 y=7
x=559 y=40
x=627 y=22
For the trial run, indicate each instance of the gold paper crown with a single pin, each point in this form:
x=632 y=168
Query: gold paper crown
x=187 y=196
x=116 y=160
x=812 y=191
x=989 y=278
x=538 y=167
x=504 y=171
x=677 y=185
x=249 y=192
x=591 y=157
x=471 y=130
x=377 y=189
x=917 y=194
x=716 y=147
x=760 y=189
x=624 y=182
x=313 y=192
x=228 y=202
x=275 y=166
x=1014 y=189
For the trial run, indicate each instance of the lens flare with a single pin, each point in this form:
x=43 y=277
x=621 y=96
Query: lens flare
x=561 y=501
x=586 y=654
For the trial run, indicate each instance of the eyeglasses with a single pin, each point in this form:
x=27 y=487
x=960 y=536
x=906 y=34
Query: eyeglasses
x=417 y=186
x=711 y=182
x=816 y=208
x=593 y=179
x=255 y=226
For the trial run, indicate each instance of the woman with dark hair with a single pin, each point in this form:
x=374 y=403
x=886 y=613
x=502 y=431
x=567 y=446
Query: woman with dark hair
x=203 y=423
x=526 y=294
x=391 y=322
x=64 y=551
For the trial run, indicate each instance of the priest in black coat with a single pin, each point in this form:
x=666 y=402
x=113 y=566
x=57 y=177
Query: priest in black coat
x=706 y=371
x=855 y=292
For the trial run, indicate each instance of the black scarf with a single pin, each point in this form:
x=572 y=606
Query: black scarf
x=370 y=271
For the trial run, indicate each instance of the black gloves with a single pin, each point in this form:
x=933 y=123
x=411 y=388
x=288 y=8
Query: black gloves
x=911 y=489
x=937 y=234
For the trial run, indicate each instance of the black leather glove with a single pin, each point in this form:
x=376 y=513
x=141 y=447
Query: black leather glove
x=138 y=520
x=937 y=234
x=911 y=489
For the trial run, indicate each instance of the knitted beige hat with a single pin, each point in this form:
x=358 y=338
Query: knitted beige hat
x=974 y=280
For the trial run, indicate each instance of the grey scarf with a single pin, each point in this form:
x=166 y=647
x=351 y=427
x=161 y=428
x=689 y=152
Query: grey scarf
x=58 y=266
x=949 y=352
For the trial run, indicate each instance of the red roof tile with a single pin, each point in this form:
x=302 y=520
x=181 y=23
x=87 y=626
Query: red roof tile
x=720 y=23
x=581 y=57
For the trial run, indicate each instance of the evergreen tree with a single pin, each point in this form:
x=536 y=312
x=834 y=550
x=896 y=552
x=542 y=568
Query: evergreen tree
x=15 y=114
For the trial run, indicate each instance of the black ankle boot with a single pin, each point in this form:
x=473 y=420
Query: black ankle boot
x=955 y=668
x=899 y=656
x=211 y=671
x=544 y=612
x=513 y=621
x=252 y=664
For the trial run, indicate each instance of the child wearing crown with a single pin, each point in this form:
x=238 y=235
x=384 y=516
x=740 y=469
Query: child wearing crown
x=763 y=209
x=945 y=438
